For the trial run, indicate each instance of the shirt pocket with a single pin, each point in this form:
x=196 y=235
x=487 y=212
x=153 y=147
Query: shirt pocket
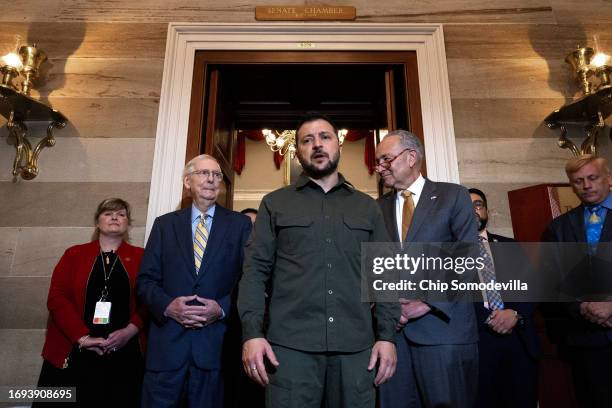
x=294 y=233
x=355 y=231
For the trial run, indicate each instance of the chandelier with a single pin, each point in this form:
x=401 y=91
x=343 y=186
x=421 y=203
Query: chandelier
x=284 y=142
x=281 y=142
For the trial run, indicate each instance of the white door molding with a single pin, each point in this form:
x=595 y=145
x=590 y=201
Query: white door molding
x=184 y=39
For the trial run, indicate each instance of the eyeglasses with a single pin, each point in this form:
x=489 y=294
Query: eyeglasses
x=478 y=204
x=217 y=175
x=385 y=163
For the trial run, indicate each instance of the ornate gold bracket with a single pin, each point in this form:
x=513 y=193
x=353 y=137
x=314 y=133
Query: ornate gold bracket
x=26 y=158
x=589 y=113
x=19 y=109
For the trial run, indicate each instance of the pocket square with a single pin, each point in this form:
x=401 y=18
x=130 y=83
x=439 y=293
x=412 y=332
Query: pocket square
x=433 y=197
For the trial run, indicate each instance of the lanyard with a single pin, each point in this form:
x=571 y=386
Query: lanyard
x=104 y=294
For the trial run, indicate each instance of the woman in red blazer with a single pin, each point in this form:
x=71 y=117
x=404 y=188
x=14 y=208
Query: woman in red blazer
x=94 y=334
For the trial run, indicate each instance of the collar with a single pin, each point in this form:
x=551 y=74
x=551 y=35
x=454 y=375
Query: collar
x=416 y=188
x=196 y=212
x=607 y=203
x=304 y=180
x=484 y=234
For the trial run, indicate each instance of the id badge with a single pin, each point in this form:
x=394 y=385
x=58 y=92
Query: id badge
x=102 y=313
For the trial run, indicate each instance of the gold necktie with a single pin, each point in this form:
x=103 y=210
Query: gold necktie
x=199 y=242
x=407 y=212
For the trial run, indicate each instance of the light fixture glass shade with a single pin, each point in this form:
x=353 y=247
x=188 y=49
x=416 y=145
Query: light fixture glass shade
x=12 y=60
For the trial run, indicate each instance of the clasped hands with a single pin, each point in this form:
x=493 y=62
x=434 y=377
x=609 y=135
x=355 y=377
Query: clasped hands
x=502 y=321
x=194 y=316
x=115 y=341
x=597 y=312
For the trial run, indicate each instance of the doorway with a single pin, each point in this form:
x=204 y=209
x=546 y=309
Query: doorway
x=184 y=40
x=244 y=91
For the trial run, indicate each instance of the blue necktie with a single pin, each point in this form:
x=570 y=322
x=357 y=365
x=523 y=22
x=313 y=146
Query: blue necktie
x=594 y=226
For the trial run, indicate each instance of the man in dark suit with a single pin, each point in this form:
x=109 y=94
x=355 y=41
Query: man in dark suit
x=584 y=328
x=508 y=346
x=437 y=349
x=191 y=264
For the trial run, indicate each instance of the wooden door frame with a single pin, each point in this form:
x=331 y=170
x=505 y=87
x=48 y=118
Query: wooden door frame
x=200 y=125
x=184 y=40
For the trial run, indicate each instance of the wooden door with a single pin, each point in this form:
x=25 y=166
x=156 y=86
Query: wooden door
x=390 y=100
x=211 y=129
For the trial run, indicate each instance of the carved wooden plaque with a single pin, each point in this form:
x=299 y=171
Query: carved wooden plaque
x=304 y=13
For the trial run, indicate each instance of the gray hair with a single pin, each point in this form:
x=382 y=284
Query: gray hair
x=408 y=140
x=191 y=163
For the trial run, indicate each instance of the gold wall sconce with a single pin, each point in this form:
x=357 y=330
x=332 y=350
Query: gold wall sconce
x=19 y=108
x=592 y=72
x=590 y=69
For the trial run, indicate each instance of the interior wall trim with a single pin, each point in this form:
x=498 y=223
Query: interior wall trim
x=184 y=39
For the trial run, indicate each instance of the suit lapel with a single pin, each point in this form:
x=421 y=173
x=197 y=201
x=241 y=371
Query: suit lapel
x=182 y=229
x=577 y=220
x=388 y=210
x=606 y=232
x=216 y=238
x=425 y=204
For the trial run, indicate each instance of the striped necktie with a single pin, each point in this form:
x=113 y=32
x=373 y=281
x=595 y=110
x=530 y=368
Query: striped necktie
x=488 y=275
x=199 y=241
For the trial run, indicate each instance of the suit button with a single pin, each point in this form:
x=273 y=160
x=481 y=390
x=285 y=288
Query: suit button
x=331 y=319
x=196 y=287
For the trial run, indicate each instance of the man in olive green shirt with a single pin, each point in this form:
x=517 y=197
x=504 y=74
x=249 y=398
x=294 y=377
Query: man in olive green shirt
x=322 y=342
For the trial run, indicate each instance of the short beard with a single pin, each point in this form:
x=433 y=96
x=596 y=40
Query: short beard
x=482 y=223
x=315 y=173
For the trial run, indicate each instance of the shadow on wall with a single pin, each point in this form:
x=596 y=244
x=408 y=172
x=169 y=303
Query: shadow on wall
x=59 y=47
x=553 y=47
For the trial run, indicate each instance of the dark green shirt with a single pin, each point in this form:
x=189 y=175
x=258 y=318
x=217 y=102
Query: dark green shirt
x=306 y=248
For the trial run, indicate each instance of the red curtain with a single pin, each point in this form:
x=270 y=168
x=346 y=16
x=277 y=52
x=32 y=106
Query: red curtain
x=240 y=152
x=368 y=155
x=256 y=135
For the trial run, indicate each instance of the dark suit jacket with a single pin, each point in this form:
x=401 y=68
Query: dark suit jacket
x=444 y=213
x=168 y=271
x=565 y=323
x=525 y=333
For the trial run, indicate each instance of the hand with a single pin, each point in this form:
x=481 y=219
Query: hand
x=92 y=344
x=384 y=353
x=119 y=338
x=597 y=312
x=212 y=310
x=253 y=352
x=502 y=321
x=188 y=316
x=411 y=309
